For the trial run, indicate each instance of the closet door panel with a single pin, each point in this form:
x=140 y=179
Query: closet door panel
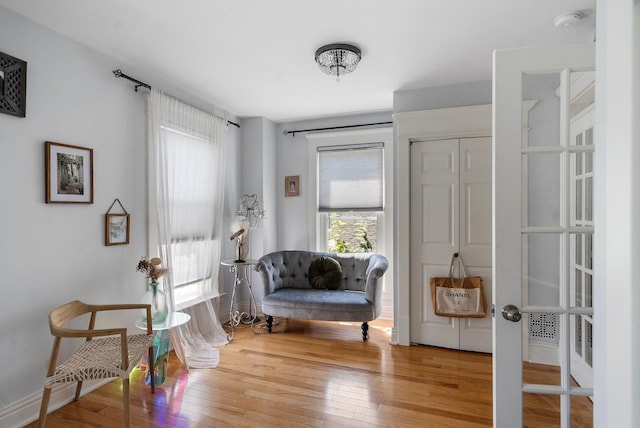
x=435 y=235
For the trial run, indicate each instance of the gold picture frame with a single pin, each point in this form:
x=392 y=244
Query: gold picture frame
x=117 y=226
x=292 y=185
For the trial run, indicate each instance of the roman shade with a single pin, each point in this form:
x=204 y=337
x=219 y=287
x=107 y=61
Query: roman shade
x=350 y=178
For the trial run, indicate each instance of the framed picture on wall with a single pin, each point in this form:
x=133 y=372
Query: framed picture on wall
x=292 y=185
x=117 y=229
x=68 y=173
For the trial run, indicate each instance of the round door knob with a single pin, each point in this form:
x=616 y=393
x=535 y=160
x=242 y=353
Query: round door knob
x=511 y=313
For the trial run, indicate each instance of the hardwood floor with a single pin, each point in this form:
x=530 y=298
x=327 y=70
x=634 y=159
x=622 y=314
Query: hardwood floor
x=317 y=374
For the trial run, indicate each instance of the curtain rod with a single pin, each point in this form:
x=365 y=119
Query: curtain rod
x=119 y=73
x=335 y=127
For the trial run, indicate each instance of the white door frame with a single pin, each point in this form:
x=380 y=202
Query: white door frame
x=617 y=212
x=437 y=124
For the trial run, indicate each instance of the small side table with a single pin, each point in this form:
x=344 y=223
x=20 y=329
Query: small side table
x=161 y=343
x=235 y=317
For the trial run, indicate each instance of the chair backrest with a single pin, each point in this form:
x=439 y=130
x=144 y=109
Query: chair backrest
x=66 y=312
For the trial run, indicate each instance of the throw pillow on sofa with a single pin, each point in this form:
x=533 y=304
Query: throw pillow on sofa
x=325 y=273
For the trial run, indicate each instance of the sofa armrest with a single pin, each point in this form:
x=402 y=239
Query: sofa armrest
x=268 y=273
x=378 y=265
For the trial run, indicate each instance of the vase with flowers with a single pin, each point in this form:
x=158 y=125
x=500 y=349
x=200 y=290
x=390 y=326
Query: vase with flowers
x=154 y=296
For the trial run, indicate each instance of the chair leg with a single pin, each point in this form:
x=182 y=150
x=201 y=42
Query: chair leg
x=365 y=331
x=44 y=406
x=125 y=398
x=78 y=390
x=152 y=368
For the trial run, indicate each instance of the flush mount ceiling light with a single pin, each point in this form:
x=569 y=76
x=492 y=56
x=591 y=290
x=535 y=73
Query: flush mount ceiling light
x=338 y=59
x=568 y=19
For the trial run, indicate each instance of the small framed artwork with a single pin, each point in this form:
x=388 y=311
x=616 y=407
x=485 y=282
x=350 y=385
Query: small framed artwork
x=117 y=229
x=292 y=185
x=68 y=173
x=13 y=85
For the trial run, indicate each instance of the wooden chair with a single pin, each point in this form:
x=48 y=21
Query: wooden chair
x=106 y=353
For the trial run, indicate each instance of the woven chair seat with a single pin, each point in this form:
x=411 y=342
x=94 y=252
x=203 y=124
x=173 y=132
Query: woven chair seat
x=101 y=358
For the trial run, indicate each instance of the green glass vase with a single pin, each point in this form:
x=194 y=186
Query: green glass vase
x=155 y=297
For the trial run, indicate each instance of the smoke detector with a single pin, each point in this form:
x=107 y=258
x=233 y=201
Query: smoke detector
x=568 y=19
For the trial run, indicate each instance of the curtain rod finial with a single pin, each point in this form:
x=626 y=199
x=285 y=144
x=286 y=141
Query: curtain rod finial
x=117 y=73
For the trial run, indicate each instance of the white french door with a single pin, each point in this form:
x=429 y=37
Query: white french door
x=535 y=234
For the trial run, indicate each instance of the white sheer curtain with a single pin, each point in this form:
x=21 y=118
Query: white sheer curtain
x=187 y=193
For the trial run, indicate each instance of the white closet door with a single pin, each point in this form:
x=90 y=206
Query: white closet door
x=475 y=233
x=435 y=183
x=451 y=212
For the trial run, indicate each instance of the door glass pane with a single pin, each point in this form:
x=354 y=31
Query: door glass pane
x=541 y=364
x=540 y=410
x=581 y=351
x=588 y=250
x=542 y=187
x=588 y=198
x=581 y=411
x=544 y=117
x=588 y=135
x=578 y=201
x=578 y=293
x=588 y=290
x=577 y=336
x=541 y=262
x=580 y=270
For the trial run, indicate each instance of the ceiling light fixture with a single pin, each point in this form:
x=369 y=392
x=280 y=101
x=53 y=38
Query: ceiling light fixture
x=338 y=59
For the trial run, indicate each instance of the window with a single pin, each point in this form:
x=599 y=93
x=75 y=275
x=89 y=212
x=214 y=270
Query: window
x=350 y=187
x=191 y=178
x=350 y=196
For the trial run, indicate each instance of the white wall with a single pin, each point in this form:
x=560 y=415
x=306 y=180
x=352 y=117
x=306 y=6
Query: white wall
x=53 y=253
x=292 y=159
x=256 y=169
x=465 y=94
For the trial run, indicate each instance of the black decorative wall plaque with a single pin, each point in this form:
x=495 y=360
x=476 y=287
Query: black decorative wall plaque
x=13 y=85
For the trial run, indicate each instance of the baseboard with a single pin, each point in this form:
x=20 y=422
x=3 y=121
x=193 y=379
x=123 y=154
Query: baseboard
x=543 y=353
x=394 y=336
x=25 y=411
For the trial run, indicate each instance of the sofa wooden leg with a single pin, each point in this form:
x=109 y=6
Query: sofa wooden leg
x=365 y=331
x=269 y=323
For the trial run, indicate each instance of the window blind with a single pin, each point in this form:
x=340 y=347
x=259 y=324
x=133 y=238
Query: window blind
x=350 y=178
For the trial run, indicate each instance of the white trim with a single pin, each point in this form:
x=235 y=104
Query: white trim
x=425 y=125
x=617 y=203
x=25 y=411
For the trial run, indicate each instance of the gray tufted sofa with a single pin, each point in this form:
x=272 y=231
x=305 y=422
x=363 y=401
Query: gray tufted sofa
x=288 y=292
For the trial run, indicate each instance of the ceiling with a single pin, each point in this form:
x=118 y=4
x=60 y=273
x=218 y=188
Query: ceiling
x=256 y=58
